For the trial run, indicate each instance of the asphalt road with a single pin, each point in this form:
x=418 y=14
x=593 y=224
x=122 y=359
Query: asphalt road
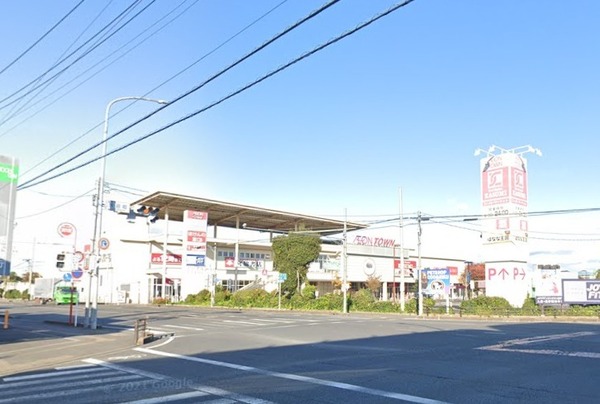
x=252 y=356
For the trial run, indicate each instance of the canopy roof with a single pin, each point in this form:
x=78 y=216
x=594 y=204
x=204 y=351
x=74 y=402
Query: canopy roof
x=227 y=214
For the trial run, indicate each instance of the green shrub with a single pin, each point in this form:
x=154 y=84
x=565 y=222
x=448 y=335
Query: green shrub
x=486 y=305
x=309 y=291
x=222 y=296
x=329 y=301
x=362 y=300
x=25 y=295
x=200 y=298
x=252 y=298
x=12 y=294
x=530 y=308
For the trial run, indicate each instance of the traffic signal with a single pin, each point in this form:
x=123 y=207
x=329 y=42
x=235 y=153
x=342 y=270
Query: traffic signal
x=149 y=212
x=60 y=261
x=153 y=215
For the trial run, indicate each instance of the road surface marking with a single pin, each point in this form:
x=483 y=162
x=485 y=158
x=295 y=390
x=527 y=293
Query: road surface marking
x=182 y=327
x=508 y=346
x=290 y=376
x=150 y=375
x=172 y=397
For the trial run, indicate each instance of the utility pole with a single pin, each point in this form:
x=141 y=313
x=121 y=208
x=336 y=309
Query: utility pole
x=419 y=269
x=402 y=284
x=345 y=266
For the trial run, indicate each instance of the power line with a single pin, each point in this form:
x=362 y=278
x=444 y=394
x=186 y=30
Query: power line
x=41 y=38
x=311 y=15
x=19 y=109
x=79 y=58
x=107 y=65
x=56 y=207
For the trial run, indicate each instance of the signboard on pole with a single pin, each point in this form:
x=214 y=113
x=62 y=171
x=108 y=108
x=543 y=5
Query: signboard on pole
x=66 y=229
x=9 y=175
x=437 y=281
x=195 y=224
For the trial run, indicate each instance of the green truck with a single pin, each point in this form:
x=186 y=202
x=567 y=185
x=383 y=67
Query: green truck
x=66 y=295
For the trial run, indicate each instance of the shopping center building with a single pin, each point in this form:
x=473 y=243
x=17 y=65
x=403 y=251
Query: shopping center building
x=142 y=259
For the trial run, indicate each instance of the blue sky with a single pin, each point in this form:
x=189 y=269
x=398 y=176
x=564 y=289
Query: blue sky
x=401 y=103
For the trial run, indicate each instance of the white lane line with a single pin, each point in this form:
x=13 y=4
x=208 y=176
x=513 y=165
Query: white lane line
x=241 y=322
x=290 y=376
x=182 y=327
x=172 y=397
x=590 y=355
x=507 y=346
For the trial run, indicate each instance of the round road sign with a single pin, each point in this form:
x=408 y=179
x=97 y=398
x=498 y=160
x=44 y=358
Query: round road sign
x=66 y=229
x=103 y=244
x=67 y=277
x=77 y=274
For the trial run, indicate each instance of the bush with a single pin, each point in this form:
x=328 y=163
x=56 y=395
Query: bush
x=486 y=305
x=12 y=294
x=200 y=298
x=160 y=301
x=362 y=300
x=25 y=295
x=222 y=296
x=252 y=298
x=309 y=291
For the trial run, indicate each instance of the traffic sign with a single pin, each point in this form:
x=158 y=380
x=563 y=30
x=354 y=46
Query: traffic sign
x=67 y=277
x=103 y=244
x=77 y=274
x=66 y=229
x=78 y=256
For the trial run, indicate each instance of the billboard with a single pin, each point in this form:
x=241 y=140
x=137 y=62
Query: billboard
x=436 y=281
x=577 y=291
x=548 y=287
x=9 y=176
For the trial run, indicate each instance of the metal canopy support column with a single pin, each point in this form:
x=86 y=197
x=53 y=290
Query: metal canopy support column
x=164 y=257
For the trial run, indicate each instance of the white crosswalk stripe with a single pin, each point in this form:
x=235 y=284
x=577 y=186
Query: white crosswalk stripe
x=104 y=382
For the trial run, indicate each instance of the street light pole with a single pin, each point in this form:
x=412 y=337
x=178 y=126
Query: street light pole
x=95 y=262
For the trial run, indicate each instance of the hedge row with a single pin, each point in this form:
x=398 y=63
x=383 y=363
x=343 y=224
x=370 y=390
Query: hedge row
x=364 y=301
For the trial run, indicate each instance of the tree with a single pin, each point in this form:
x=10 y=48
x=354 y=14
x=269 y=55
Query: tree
x=373 y=284
x=13 y=277
x=34 y=276
x=476 y=273
x=598 y=274
x=292 y=255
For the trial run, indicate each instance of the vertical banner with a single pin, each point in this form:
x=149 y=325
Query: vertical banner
x=9 y=175
x=195 y=225
x=504 y=198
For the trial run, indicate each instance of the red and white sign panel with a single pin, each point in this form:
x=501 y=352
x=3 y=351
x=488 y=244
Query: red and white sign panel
x=195 y=236
x=195 y=225
x=66 y=229
x=172 y=259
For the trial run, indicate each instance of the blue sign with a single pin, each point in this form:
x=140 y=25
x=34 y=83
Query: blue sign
x=76 y=274
x=67 y=277
x=437 y=280
x=282 y=277
x=195 y=260
x=4 y=267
